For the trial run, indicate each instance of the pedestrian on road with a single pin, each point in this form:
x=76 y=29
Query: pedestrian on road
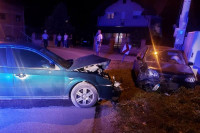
x=59 y=38
x=99 y=39
x=45 y=38
x=65 y=45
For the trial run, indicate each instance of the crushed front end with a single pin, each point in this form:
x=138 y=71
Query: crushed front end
x=152 y=80
x=107 y=87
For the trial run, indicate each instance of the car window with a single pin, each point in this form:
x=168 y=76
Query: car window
x=169 y=56
x=3 y=59
x=142 y=53
x=65 y=63
x=26 y=58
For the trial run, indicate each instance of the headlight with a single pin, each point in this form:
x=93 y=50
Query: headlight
x=152 y=73
x=190 y=79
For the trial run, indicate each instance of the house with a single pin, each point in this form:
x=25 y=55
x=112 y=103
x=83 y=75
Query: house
x=11 y=20
x=124 y=21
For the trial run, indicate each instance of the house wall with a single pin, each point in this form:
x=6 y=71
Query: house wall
x=122 y=23
x=123 y=15
x=11 y=20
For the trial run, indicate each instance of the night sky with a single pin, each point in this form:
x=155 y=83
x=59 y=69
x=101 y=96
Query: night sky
x=83 y=13
x=80 y=11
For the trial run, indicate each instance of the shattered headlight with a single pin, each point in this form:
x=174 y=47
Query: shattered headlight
x=190 y=79
x=116 y=84
x=152 y=73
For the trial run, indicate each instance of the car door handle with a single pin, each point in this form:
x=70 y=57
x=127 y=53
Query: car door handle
x=20 y=75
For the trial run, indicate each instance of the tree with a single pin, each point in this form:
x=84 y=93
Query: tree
x=59 y=22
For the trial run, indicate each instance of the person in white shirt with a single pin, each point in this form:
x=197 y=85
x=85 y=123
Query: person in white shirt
x=45 y=38
x=59 y=38
x=65 y=41
x=99 y=38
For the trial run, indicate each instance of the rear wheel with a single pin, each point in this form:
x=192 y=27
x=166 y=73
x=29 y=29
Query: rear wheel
x=84 y=95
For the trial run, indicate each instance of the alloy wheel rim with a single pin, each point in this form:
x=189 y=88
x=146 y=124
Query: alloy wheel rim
x=84 y=96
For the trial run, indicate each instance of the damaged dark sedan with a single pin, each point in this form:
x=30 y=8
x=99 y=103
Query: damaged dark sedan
x=162 y=68
x=28 y=72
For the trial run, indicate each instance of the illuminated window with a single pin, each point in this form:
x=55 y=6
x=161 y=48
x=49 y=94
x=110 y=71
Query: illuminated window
x=18 y=18
x=110 y=15
x=2 y=16
x=3 y=59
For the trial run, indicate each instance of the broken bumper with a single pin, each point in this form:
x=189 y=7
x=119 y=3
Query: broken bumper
x=110 y=92
x=165 y=84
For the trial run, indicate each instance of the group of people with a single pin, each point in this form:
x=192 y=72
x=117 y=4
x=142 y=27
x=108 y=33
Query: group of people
x=58 y=40
x=63 y=40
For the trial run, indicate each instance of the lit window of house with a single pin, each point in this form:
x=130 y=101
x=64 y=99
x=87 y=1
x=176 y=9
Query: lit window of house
x=2 y=16
x=110 y=15
x=18 y=18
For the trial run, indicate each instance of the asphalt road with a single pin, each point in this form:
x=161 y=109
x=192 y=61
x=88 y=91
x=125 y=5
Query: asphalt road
x=50 y=116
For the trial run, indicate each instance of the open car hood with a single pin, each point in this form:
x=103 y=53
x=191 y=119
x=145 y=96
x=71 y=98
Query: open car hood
x=90 y=63
x=171 y=68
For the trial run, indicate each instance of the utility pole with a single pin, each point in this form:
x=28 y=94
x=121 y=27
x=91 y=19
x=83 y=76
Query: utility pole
x=179 y=32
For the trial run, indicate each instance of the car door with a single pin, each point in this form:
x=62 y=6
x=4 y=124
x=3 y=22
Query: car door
x=6 y=75
x=34 y=76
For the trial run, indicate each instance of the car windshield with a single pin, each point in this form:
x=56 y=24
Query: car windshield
x=65 y=63
x=169 y=56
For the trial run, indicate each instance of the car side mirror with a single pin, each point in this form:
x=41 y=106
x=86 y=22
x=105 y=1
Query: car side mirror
x=52 y=65
x=190 y=63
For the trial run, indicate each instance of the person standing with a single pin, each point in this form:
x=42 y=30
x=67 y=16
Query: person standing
x=45 y=38
x=59 y=38
x=65 y=41
x=99 y=38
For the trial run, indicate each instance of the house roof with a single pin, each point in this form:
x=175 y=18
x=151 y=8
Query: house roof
x=100 y=11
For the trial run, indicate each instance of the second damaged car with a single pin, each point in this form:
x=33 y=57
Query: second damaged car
x=162 y=68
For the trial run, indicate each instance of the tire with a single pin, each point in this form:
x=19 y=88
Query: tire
x=145 y=86
x=84 y=95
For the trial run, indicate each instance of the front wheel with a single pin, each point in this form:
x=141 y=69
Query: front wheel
x=84 y=95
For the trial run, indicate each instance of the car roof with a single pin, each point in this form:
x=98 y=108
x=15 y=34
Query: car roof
x=21 y=45
x=162 y=47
